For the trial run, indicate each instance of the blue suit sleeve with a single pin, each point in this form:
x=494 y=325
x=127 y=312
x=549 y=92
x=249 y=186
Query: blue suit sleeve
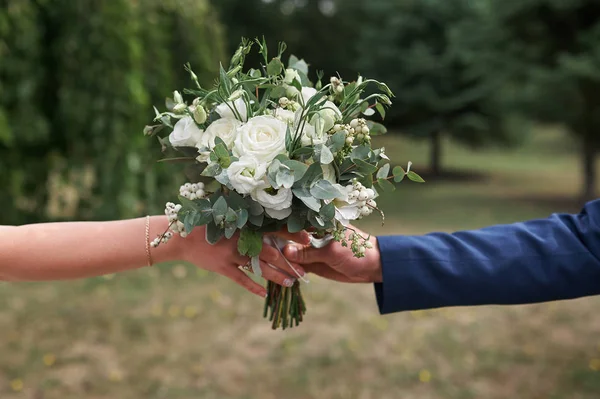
x=536 y=261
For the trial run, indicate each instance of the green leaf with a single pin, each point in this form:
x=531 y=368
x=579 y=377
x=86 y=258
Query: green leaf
x=275 y=67
x=213 y=233
x=383 y=172
x=225 y=80
x=328 y=211
x=381 y=109
x=212 y=170
x=398 y=173
x=236 y=201
x=415 y=177
x=256 y=220
x=299 y=65
x=297 y=168
x=313 y=173
x=242 y=218
x=360 y=152
x=307 y=198
x=316 y=220
x=386 y=185
x=326 y=157
x=302 y=151
x=188 y=204
x=337 y=141
x=365 y=166
x=278 y=92
x=376 y=129
x=285 y=178
x=230 y=216
x=230 y=229
x=296 y=221
x=219 y=210
x=221 y=151
x=250 y=243
x=323 y=189
x=190 y=221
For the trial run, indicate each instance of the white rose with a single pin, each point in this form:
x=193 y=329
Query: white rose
x=291 y=75
x=185 y=133
x=226 y=110
x=278 y=205
x=225 y=128
x=329 y=114
x=263 y=137
x=246 y=174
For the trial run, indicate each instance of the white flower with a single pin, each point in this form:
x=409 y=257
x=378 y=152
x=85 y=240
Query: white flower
x=277 y=205
x=225 y=128
x=308 y=93
x=285 y=115
x=329 y=114
x=185 y=133
x=226 y=110
x=291 y=75
x=246 y=174
x=263 y=137
x=311 y=137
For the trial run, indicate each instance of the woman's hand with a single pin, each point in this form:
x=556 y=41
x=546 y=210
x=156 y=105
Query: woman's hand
x=223 y=258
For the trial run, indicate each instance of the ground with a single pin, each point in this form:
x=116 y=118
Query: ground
x=174 y=332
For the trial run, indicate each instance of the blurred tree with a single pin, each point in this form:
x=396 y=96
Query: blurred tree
x=552 y=49
x=433 y=55
x=323 y=32
x=77 y=85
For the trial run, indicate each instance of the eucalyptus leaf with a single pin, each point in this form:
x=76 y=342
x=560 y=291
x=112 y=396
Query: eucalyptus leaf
x=376 y=129
x=326 y=157
x=242 y=218
x=296 y=221
x=360 y=152
x=236 y=201
x=323 y=189
x=219 y=210
x=415 y=177
x=383 y=172
x=285 y=178
x=328 y=211
x=307 y=198
x=297 y=168
x=386 y=185
x=230 y=229
x=213 y=233
x=275 y=67
x=365 y=166
x=337 y=141
x=398 y=173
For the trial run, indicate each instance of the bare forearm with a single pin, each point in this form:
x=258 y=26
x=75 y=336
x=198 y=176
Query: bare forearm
x=55 y=251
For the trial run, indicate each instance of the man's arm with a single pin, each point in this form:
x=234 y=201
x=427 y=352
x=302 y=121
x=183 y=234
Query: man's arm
x=536 y=261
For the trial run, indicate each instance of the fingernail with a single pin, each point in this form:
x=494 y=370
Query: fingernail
x=288 y=282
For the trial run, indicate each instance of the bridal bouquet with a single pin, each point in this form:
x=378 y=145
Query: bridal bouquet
x=267 y=149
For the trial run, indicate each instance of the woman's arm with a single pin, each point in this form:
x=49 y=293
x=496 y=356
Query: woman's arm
x=69 y=250
x=57 y=251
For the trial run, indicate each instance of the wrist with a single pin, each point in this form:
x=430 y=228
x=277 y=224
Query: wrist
x=174 y=250
x=376 y=273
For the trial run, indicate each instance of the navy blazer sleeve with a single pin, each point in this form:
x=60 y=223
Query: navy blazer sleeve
x=535 y=261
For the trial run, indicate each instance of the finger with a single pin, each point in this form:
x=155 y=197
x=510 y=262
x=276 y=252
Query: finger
x=305 y=254
x=277 y=276
x=245 y=281
x=322 y=270
x=274 y=257
x=301 y=237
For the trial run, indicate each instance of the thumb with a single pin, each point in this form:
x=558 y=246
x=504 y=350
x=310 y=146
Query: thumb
x=303 y=254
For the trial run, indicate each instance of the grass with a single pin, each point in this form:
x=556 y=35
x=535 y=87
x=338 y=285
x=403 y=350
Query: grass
x=179 y=333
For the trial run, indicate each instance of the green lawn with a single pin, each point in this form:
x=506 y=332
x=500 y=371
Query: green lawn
x=177 y=333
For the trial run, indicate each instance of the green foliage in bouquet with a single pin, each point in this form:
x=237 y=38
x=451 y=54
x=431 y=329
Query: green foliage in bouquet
x=266 y=150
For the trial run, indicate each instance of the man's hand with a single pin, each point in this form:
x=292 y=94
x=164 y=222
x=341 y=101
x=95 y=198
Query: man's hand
x=338 y=263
